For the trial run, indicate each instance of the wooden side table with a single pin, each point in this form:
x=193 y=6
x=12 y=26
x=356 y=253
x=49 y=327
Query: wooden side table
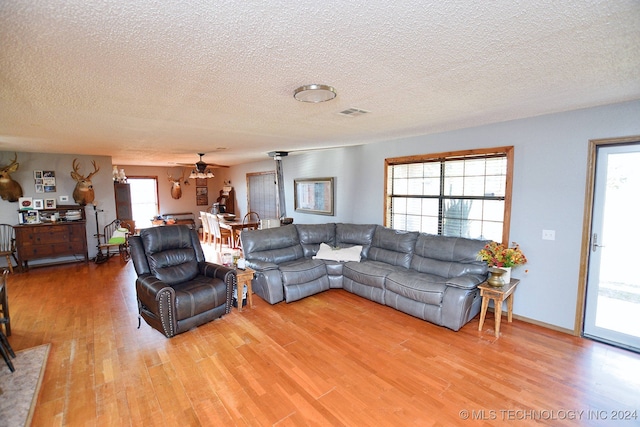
x=244 y=278
x=498 y=295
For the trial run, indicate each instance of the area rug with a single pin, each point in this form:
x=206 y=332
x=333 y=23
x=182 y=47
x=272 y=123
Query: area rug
x=19 y=390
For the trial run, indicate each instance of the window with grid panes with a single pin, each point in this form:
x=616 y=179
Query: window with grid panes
x=462 y=194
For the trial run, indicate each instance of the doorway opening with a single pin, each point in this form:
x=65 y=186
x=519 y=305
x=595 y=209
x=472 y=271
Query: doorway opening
x=611 y=307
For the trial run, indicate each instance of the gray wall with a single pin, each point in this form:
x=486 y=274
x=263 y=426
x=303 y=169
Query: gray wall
x=62 y=165
x=549 y=190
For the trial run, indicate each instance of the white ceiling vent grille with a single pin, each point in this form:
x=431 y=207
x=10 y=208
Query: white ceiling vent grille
x=353 y=112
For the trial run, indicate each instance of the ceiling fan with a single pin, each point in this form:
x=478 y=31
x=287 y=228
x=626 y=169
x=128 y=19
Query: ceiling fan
x=202 y=169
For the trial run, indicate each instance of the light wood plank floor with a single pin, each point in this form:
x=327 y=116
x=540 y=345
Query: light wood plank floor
x=333 y=359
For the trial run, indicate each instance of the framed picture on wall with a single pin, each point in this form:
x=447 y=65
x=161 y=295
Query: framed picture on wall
x=202 y=196
x=49 y=203
x=201 y=182
x=38 y=204
x=313 y=195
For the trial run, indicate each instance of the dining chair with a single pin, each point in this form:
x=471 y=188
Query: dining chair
x=8 y=244
x=250 y=217
x=206 y=233
x=219 y=234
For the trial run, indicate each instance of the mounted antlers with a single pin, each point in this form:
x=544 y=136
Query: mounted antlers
x=176 y=190
x=9 y=189
x=83 y=193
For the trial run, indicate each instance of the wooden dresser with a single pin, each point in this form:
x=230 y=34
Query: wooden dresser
x=52 y=239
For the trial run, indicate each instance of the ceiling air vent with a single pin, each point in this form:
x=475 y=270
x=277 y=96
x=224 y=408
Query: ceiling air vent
x=353 y=112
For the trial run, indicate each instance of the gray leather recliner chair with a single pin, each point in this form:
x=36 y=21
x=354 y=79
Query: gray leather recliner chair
x=177 y=289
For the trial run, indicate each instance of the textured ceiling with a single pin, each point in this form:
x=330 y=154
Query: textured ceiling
x=153 y=82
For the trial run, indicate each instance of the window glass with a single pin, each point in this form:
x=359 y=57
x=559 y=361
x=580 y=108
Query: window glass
x=144 y=199
x=454 y=194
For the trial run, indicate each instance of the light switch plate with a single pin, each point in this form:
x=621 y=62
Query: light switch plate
x=548 y=234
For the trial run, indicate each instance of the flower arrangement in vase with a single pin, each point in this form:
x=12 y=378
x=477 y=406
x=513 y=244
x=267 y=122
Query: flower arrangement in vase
x=501 y=256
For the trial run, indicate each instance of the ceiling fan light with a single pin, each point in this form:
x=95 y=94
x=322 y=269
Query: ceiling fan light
x=314 y=93
x=201 y=171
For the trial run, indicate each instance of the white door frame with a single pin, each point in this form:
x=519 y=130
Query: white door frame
x=586 y=224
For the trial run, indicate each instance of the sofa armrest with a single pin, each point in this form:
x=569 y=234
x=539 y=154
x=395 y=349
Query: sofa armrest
x=261 y=265
x=459 y=306
x=157 y=298
x=468 y=281
x=226 y=274
x=150 y=288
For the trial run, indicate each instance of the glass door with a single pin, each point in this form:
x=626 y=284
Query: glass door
x=612 y=309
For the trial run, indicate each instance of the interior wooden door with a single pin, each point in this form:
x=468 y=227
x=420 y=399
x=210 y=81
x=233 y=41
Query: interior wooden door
x=123 y=201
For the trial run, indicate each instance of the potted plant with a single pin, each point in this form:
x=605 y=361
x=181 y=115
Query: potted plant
x=501 y=256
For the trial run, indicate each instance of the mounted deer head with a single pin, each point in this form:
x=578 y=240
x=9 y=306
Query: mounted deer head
x=9 y=189
x=83 y=193
x=176 y=190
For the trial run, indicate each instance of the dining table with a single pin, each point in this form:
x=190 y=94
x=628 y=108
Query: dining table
x=236 y=227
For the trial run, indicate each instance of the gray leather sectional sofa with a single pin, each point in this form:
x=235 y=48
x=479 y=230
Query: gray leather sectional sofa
x=431 y=277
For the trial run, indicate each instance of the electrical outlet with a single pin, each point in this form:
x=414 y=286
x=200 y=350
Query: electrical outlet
x=548 y=234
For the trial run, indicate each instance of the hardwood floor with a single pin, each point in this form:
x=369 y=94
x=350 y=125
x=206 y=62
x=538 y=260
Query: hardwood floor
x=333 y=359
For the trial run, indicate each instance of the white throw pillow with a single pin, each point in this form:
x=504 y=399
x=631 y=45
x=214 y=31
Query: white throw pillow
x=328 y=253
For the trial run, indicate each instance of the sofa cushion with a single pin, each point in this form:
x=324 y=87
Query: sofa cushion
x=275 y=245
x=328 y=253
x=311 y=235
x=334 y=268
x=448 y=256
x=170 y=254
x=445 y=248
x=369 y=273
x=198 y=296
x=421 y=287
x=392 y=246
x=174 y=266
x=302 y=271
x=354 y=234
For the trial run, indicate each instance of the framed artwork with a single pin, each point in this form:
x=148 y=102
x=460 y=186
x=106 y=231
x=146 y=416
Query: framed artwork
x=38 y=204
x=313 y=195
x=39 y=188
x=37 y=175
x=202 y=196
x=29 y=217
x=49 y=203
x=25 y=203
x=48 y=181
x=201 y=182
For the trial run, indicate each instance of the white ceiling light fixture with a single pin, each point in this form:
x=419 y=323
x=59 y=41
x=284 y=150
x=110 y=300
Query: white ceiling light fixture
x=314 y=93
x=204 y=174
x=201 y=170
